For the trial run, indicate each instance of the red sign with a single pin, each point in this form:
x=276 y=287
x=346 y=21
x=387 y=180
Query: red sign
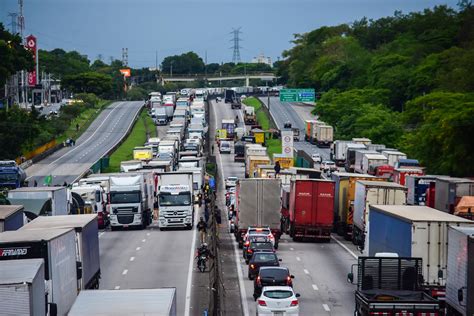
x=31 y=46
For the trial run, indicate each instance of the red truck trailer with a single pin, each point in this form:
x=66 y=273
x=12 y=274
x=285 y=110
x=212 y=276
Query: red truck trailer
x=311 y=209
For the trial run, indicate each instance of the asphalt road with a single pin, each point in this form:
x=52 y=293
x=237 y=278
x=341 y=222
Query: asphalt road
x=320 y=269
x=295 y=113
x=67 y=164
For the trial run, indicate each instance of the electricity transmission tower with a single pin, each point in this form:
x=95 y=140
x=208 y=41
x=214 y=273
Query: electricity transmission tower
x=125 y=56
x=14 y=17
x=236 y=47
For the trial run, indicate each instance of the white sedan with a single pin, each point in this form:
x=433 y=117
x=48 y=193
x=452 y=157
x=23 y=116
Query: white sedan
x=278 y=300
x=231 y=182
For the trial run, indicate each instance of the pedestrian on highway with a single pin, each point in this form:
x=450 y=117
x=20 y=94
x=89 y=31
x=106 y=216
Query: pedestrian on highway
x=202 y=228
x=212 y=149
x=277 y=167
x=206 y=213
x=217 y=214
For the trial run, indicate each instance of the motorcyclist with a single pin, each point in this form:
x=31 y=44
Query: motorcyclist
x=204 y=251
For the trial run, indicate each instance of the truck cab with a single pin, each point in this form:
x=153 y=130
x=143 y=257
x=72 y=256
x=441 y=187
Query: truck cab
x=11 y=175
x=176 y=206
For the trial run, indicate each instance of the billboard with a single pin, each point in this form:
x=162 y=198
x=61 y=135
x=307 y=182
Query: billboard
x=32 y=47
x=125 y=72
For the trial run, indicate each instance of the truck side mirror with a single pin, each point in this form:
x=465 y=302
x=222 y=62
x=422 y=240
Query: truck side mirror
x=350 y=278
x=53 y=309
x=460 y=295
x=79 y=270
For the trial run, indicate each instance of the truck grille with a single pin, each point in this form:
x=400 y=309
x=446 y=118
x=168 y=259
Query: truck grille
x=176 y=213
x=125 y=219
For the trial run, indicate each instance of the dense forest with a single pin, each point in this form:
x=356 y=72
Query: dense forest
x=406 y=81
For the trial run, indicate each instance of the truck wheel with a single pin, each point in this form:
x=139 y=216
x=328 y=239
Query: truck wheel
x=113 y=228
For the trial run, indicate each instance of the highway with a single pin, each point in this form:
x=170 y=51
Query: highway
x=320 y=269
x=67 y=164
x=295 y=113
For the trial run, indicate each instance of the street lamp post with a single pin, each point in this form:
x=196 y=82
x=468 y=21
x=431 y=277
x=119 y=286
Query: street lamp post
x=171 y=69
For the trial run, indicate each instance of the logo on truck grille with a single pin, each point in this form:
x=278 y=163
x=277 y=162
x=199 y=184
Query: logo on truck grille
x=8 y=252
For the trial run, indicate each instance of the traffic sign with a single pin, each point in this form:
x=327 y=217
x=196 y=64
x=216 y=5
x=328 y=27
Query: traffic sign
x=297 y=95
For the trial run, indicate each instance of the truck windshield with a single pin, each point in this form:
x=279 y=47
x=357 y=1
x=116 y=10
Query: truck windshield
x=181 y=199
x=124 y=197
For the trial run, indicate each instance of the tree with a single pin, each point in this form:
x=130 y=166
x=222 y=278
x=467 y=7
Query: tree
x=188 y=63
x=61 y=63
x=13 y=56
x=89 y=82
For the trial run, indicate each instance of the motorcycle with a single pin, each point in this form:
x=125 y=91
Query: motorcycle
x=202 y=263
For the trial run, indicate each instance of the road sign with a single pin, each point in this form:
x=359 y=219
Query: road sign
x=31 y=46
x=297 y=95
x=287 y=143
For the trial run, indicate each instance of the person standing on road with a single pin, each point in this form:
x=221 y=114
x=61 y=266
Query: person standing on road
x=202 y=228
x=212 y=149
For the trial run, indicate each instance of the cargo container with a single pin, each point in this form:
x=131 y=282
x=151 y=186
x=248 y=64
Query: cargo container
x=370 y=162
x=252 y=162
x=239 y=151
x=311 y=209
x=358 y=161
x=339 y=150
x=258 y=203
x=41 y=201
x=229 y=126
x=400 y=174
x=460 y=271
x=254 y=150
x=303 y=159
x=285 y=162
x=415 y=231
x=350 y=155
x=465 y=207
x=324 y=135
x=377 y=147
x=11 y=217
x=362 y=140
x=383 y=171
x=450 y=190
x=417 y=188
x=372 y=193
x=160 y=302
x=393 y=156
x=142 y=153
x=22 y=288
x=57 y=247
x=308 y=129
x=87 y=238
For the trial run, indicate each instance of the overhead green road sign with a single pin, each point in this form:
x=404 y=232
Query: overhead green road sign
x=297 y=95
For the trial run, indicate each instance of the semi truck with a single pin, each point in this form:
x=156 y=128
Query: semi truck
x=351 y=149
x=399 y=174
x=22 y=288
x=449 y=191
x=57 y=247
x=95 y=196
x=370 y=162
x=175 y=200
x=460 y=271
x=229 y=95
x=252 y=162
x=323 y=136
x=198 y=180
x=338 y=151
x=418 y=187
x=11 y=217
x=239 y=151
x=416 y=231
x=393 y=156
x=41 y=201
x=249 y=115
x=372 y=193
x=258 y=203
x=391 y=286
x=311 y=209
x=160 y=301
x=12 y=176
x=229 y=126
x=131 y=200
x=359 y=157
x=87 y=243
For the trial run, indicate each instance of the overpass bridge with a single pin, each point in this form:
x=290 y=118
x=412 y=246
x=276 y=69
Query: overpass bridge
x=187 y=78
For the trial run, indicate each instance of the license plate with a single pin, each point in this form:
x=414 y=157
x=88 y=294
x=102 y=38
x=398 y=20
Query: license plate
x=125 y=226
x=275 y=313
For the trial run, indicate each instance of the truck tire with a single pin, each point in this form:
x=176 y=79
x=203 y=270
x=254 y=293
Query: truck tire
x=276 y=243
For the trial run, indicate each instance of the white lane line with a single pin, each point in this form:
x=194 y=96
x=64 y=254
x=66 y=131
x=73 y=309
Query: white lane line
x=117 y=288
x=138 y=248
x=292 y=248
x=306 y=271
x=315 y=287
x=132 y=258
x=345 y=247
x=148 y=234
x=124 y=272
x=243 y=294
x=326 y=307
x=187 y=306
x=101 y=233
x=298 y=259
x=143 y=240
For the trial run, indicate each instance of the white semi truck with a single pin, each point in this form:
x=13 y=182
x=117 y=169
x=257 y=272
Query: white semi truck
x=175 y=200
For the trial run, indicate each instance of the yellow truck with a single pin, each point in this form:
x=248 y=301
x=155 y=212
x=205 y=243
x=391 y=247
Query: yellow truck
x=143 y=153
x=285 y=162
x=252 y=162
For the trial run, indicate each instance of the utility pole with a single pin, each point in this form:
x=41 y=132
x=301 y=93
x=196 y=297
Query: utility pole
x=236 y=47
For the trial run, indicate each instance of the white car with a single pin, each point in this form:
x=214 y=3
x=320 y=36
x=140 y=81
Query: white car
x=278 y=300
x=328 y=166
x=225 y=147
x=316 y=157
x=231 y=182
x=243 y=97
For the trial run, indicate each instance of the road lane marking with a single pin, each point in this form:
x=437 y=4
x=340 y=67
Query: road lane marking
x=124 y=272
x=298 y=259
x=100 y=234
x=138 y=248
x=132 y=258
x=143 y=240
x=117 y=288
x=315 y=287
x=306 y=271
x=243 y=294
x=326 y=307
x=345 y=247
x=187 y=306
x=148 y=234
x=292 y=248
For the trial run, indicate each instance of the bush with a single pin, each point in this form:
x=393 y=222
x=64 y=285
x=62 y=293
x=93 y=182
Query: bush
x=90 y=99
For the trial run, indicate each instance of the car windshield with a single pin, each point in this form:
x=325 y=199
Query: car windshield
x=181 y=199
x=274 y=273
x=278 y=294
x=258 y=238
x=264 y=257
x=225 y=145
x=124 y=197
x=232 y=178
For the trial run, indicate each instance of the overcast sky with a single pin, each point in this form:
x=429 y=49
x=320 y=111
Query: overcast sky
x=103 y=27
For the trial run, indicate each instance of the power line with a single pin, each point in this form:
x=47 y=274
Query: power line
x=236 y=47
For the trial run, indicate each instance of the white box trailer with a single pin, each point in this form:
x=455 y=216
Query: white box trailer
x=22 y=288
x=414 y=231
x=359 y=157
x=33 y=200
x=87 y=239
x=57 y=247
x=393 y=156
x=159 y=302
x=371 y=161
x=338 y=151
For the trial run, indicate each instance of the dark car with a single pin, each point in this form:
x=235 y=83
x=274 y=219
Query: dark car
x=271 y=276
x=252 y=238
x=256 y=246
x=262 y=259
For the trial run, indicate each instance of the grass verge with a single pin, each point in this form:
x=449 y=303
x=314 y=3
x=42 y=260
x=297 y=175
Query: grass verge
x=137 y=137
x=262 y=118
x=273 y=146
